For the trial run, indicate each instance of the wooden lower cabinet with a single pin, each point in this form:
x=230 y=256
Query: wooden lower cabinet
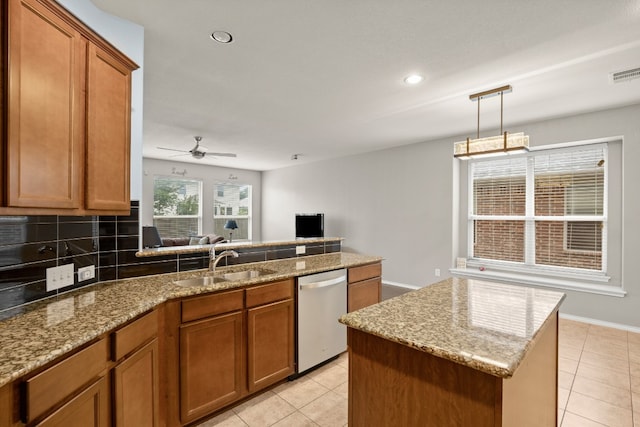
x=211 y=365
x=391 y=384
x=364 y=287
x=88 y=409
x=230 y=344
x=363 y=294
x=9 y=408
x=135 y=389
x=270 y=347
x=45 y=392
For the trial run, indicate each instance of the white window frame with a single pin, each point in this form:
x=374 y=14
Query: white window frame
x=528 y=273
x=198 y=216
x=248 y=217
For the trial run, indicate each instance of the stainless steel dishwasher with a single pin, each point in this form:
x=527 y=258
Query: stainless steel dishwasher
x=322 y=299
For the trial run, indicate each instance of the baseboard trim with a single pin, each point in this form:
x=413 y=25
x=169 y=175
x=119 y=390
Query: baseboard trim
x=600 y=322
x=400 y=285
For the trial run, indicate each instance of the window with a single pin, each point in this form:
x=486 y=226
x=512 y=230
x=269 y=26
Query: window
x=545 y=210
x=232 y=201
x=176 y=206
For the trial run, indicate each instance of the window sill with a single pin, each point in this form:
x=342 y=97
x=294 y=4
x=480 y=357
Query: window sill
x=528 y=279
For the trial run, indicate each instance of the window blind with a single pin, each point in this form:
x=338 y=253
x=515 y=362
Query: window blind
x=545 y=208
x=499 y=207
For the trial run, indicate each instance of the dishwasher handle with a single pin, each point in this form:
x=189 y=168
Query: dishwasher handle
x=324 y=283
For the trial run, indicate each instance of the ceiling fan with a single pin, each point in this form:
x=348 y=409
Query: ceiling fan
x=199 y=152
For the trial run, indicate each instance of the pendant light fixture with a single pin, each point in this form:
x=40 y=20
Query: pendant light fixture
x=503 y=143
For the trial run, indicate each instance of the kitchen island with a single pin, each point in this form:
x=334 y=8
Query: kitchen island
x=457 y=353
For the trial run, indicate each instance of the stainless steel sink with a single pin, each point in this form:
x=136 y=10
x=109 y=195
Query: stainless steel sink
x=200 y=281
x=246 y=274
x=224 y=277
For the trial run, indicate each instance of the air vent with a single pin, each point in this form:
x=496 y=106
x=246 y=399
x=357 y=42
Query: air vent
x=623 y=76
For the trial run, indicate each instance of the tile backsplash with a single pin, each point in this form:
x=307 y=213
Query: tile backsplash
x=31 y=244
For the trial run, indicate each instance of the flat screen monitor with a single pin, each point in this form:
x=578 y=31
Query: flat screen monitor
x=309 y=225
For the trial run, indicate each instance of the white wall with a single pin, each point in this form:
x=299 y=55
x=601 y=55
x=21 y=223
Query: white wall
x=210 y=175
x=399 y=204
x=129 y=39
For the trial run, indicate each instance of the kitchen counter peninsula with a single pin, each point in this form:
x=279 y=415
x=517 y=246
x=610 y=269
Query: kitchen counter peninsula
x=457 y=353
x=53 y=327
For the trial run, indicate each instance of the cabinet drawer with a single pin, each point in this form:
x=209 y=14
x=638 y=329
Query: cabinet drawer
x=211 y=305
x=88 y=409
x=52 y=386
x=269 y=293
x=365 y=272
x=132 y=336
x=363 y=294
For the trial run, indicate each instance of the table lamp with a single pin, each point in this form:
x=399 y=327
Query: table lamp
x=231 y=224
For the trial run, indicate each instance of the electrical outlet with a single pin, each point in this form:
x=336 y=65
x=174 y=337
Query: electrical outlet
x=437 y=272
x=59 y=277
x=301 y=250
x=86 y=273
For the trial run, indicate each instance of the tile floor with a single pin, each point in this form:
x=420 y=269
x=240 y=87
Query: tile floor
x=598 y=380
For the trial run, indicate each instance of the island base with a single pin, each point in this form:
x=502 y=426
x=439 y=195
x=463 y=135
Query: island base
x=391 y=384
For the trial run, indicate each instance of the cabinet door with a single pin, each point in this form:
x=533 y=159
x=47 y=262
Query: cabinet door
x=136 y=388
x=270 y=343
x=363 y=294
x=45 y=114
x=88 y=409
x=108 y=132
x=211 y=365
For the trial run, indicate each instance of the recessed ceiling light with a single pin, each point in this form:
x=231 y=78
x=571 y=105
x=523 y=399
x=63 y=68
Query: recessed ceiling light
x=221 y=37
x=413 y=79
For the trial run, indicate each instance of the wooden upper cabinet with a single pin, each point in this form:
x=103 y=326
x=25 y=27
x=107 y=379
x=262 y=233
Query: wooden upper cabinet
x=108 y=131
x=45 y=109
x=68 y=115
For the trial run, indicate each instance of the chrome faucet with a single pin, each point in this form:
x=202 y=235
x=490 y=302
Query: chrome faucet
x=214 y=260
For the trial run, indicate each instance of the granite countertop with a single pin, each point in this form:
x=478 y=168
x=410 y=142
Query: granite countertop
x=173 y=250
x=483 y=325
x=53 y=327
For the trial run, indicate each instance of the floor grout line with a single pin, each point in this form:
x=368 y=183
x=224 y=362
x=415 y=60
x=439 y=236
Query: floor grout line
x=591 y=362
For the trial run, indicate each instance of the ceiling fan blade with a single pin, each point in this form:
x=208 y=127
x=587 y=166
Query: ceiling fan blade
x=171 y=149
x=179 y=155
x=221 y=154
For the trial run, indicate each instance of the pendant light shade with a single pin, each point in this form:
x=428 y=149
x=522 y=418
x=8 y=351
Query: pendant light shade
x=503 y=143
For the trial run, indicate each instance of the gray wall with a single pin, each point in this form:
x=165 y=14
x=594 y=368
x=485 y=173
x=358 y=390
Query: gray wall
x=210 y=175
x=394 y=203
x=402 y=204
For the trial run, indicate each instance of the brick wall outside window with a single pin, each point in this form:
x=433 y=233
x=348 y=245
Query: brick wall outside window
x=505 y=239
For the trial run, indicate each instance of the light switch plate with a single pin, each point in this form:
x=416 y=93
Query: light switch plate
x=301 y=249
x=59 y=277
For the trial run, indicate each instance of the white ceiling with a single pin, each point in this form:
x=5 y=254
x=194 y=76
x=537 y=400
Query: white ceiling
x=325 y=78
